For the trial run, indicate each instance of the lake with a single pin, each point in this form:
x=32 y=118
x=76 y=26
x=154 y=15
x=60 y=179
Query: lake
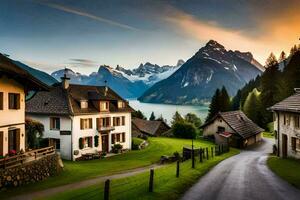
x=167 y=111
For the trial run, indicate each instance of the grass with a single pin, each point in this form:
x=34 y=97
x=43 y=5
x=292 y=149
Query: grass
x=268 y=135
x=77 y=171
x=166 y=185
x=137 y=141
x=287 y=169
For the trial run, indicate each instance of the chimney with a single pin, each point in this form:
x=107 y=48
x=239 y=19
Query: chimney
x=106 y=88
x=65 y=80
x=297 y=90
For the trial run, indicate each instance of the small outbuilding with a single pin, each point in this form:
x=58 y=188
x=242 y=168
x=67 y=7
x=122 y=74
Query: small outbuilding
x=233 y=128
x=142 y=127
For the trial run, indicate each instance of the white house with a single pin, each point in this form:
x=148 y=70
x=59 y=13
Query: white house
x=287 y=126
x=14 y=84
x=80 y=119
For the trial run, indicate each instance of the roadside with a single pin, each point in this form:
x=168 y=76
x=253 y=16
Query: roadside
x=287 y=169
x=244 y=176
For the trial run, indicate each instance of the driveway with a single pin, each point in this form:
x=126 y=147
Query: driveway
x=244 y=176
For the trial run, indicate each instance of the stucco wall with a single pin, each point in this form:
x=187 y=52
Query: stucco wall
x=212 y=128
x=290 y=131
x=12 y=119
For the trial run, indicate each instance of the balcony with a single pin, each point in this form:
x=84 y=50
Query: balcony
x=105 y=128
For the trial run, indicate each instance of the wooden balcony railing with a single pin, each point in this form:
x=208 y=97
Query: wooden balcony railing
x=13 y=161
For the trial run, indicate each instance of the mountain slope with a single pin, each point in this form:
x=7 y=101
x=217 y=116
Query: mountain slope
x=197 y=79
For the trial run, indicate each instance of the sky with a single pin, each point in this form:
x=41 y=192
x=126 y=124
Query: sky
x=84 y=34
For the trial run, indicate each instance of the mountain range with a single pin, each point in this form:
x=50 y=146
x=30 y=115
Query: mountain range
x=128 y=83
x=197 y=79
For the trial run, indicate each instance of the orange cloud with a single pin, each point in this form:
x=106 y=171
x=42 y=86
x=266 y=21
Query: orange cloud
x=279 y=33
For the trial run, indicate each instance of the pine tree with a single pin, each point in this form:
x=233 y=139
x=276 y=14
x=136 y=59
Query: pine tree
x=224 y=100
x=269 y=87
x=214 y=106
x=177 y=118
x=282 y=58
x=152 y=117
x=294 y=49
x=236 y=101
x=291 y=74
x=252 y=107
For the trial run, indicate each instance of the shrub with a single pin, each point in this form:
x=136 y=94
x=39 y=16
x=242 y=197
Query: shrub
x=96 y=140
x=134 y=146
x=184 y=130
x=116 y=148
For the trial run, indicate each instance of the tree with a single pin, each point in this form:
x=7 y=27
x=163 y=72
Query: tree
x=193 y=119
x=214 y=106
x=271 y=61
x=252 y=107
x=161 y=119
x=282 y=58
x=224 y=100
x=291 y=75
x=34 y=133
x=152 y=117
x=184 y=130
x=236 y=101
x=138 y=114
x=293 y=50
x=176 y=118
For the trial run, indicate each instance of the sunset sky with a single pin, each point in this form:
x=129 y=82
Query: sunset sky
x=84 y=34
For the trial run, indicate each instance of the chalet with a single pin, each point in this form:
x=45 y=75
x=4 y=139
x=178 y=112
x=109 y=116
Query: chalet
x=233 y=128
x=287 y=126
x=150 y=128
x=82 y=119
x=14 y=85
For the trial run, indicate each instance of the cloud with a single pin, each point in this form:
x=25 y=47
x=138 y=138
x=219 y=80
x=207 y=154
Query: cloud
x=77 y=62
x=277 y=33
x=88 y=15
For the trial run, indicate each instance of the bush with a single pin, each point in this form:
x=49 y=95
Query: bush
x=134 y=146
x=116 y=148
x=184 y=130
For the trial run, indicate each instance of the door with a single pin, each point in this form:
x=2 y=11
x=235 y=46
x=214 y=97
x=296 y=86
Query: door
x=14 y=140
x=1 y=143
x=284 y=145
x=104 y=139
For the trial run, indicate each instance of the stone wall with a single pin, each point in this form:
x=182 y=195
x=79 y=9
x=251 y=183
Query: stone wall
x=30 y=172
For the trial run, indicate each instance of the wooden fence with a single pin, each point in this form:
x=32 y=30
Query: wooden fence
x=13 y=161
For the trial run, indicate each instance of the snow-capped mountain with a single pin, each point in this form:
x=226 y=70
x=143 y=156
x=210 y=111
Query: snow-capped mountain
x=210 y=68
x=128 y=83
x=150 y=73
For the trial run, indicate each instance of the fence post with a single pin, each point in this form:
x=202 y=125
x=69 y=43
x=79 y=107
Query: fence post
x=212 y=152
x=151 y=180
x=219 y=152
x=193 y=158
x=106 y=189
x=200 y=154
x=177 y=169
x=207 y=156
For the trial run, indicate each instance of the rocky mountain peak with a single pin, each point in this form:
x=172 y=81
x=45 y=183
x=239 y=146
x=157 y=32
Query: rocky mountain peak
x=214 y=44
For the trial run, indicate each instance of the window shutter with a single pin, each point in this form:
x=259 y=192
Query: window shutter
x=18 y=101
x=123 y=121
x=97 y=122
x=123 y=137
x=90 y=141
x=81 y=124
x=113 y=138
x=1 y=143
x=1 y=100
x=58 y=123
x=90 y=123
x=17 y=139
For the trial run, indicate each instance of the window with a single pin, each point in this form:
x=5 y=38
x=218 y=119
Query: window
x=117 y=138
x=14 y=101
x=1 y=100
x=86 y=123
x=121 y=104
x=119 y=121
x=54 y=123
x=297 y=121
x=104 y=106
x=86 y=142
x=84 y=104
x=103 y=122
x=295 y=144
x=221 y=129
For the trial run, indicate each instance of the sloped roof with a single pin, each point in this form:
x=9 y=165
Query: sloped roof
x=67 y=101
x=239 y=122
x=290 y=104
x=11 y=69
x=147 y=126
